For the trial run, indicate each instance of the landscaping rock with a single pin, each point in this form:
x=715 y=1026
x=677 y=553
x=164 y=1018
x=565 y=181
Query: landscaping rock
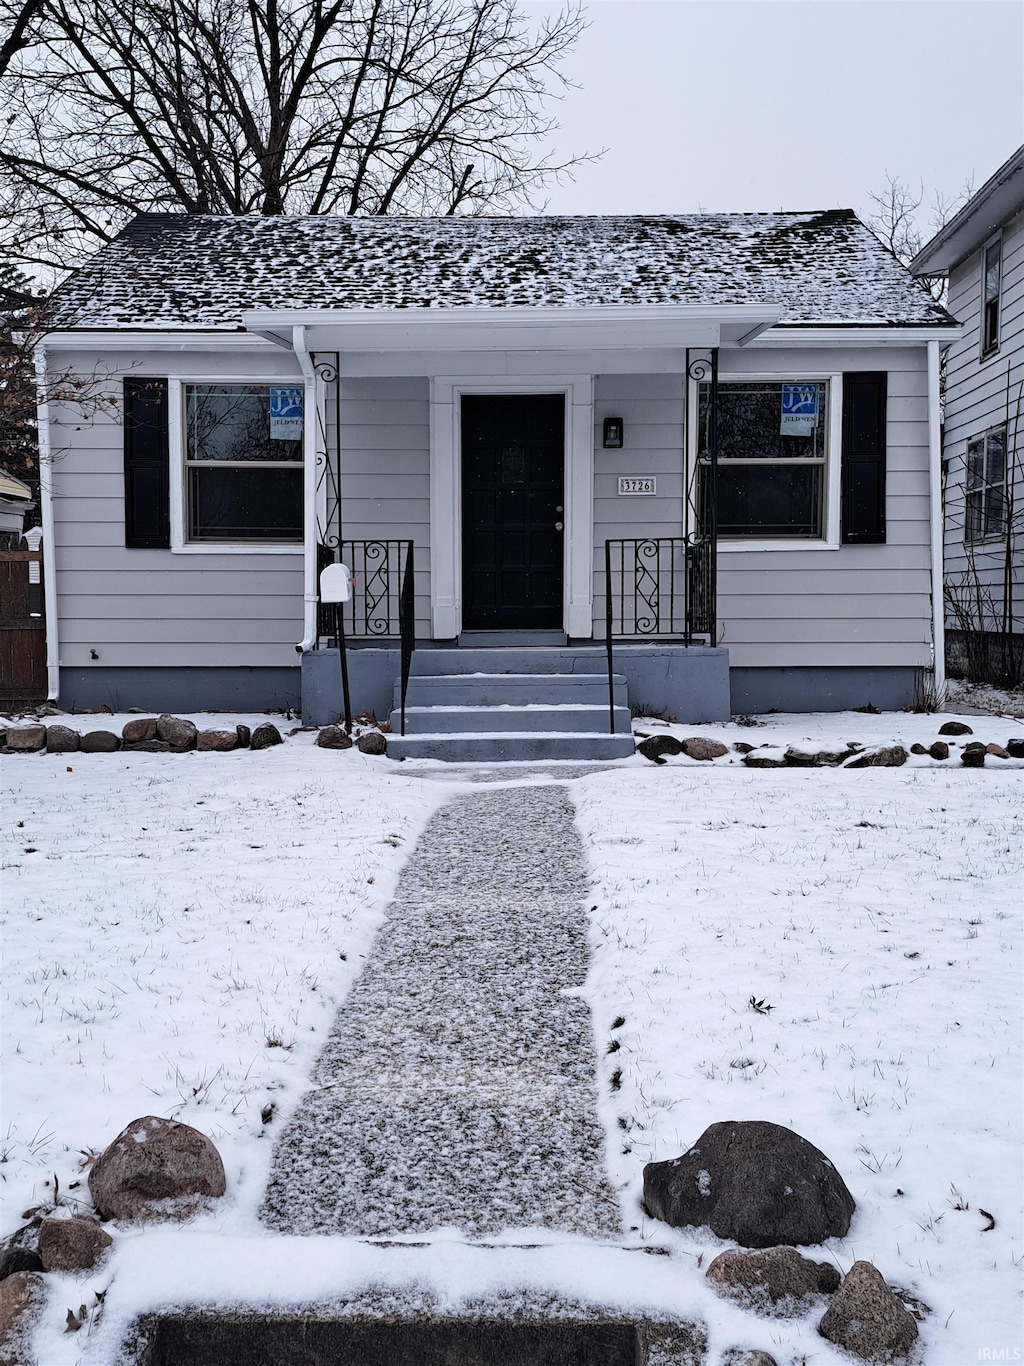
x=26 y=739
x=867 y=1319
x=14 y=1259
x=775 y=1281
x=244 y=735
x=938 y=749
x=149 y=747
x=997 y=750
x=757 y=1183
x=220 y=741
x=71 y=1244
x=372 y=742
x=334 y=737
x=100 y=742
x=21 y=1298
x=1015 y=748
x=973 y=756
x=747 y=1356
x=955 y=728
x=799 y=758
x=765 y=758
x=889 y=756
x=655 y=747
x=155 y=1169
x=918 y=749
x=699 y=747
x=264 y=736
x=177 y=732
x=62 y=740
x=142 y=729
x=741 y=747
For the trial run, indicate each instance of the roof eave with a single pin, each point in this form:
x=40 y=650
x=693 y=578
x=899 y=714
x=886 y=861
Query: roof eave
x=999 y=199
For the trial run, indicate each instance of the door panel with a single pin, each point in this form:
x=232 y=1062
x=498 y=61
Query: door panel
x=513 y=492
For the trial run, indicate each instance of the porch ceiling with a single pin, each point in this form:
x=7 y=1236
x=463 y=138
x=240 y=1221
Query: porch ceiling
x=612 y=327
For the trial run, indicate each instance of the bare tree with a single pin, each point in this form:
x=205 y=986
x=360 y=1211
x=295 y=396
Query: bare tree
x=897 y=221
x=270 y=106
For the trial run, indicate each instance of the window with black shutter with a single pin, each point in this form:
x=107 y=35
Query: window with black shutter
x=863 y=467
x=147 y=522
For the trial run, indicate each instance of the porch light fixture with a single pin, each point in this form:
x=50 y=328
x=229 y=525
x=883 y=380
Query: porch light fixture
x=613 y=433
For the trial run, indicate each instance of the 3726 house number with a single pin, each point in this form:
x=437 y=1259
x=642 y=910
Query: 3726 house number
x=638 y=483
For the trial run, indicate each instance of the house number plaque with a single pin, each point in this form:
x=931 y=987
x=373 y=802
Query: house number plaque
x=637 y=483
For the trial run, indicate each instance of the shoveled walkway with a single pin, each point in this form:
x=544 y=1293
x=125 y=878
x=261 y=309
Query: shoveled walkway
x=457 y=1085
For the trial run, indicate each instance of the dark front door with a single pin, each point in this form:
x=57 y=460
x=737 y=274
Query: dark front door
x=513 y=491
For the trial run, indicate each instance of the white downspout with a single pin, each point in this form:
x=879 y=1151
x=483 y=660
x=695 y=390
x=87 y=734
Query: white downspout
x=309 y=440
x=46 y=514
x=937 y=534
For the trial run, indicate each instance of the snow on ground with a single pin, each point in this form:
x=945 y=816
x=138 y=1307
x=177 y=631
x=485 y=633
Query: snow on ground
x=184 y=927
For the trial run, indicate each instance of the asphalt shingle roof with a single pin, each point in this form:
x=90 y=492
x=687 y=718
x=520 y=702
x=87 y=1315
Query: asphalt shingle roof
x=178 y=271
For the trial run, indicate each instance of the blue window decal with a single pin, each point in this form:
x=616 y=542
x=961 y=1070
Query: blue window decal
x=799 y=409
x=286 y=414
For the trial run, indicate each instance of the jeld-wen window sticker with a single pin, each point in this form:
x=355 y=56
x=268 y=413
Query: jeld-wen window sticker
x=286 y=414
x=799 y=409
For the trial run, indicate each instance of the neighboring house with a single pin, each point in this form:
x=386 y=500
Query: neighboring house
x=15 y=502
x=531 y=402
x=982 y=252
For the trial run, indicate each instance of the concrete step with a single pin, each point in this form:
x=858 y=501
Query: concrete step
x=537 y=659
x=509 y=746
x=473 y=719
x=510 y=690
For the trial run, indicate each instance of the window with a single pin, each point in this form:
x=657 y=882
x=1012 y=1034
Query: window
x=243 y=462
x=771 y=458
x=985 y=501
x=991 y=275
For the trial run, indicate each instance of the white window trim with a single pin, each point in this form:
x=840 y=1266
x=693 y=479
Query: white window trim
x=180 y=545
x=983 y=354
x=446 y=494
x=833 y=462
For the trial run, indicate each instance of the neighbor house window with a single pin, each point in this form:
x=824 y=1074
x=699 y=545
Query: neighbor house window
x=243 y=462
x=991 y=280
x=771 y=458
x=985 y=509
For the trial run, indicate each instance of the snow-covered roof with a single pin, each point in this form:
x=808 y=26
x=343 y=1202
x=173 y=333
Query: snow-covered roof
x=1001 y=196
x=198 y=271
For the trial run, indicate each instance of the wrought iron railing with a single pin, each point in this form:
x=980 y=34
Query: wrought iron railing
x=382 y=606
x=658 y=588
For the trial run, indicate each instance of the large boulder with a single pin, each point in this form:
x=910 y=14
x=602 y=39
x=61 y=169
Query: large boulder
x=867 y=1319
x=100 y=742
x=700 y=747
x=334 y=737
x=776 y=1281
x=889 y=756
x=1015 y=747
x=655 y=747
x=757 y=1183
x=71 y=1244
x=264 y=736
x=766 y=757
x=141 y=728
x=219 y=741
x=372 y=742
x=177 y=732
x=62 y=740
x=155 y=1169
x=955 y=728
x=22 y=1297
x=26 y=739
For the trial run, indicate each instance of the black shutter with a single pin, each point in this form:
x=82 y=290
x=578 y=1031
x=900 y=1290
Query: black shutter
x=863 y=518
x=147 y=519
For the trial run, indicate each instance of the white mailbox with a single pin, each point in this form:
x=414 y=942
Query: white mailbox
x=336 y=583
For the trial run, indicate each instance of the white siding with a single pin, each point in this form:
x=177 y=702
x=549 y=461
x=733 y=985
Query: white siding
x=981 y=394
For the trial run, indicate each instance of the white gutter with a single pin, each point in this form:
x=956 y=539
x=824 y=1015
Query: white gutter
x=309 y=438
x=937 y=536
x=46 y=514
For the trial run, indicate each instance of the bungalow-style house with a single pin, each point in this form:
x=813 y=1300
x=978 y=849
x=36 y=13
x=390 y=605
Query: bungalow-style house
x=710 y=439
x=981 y=250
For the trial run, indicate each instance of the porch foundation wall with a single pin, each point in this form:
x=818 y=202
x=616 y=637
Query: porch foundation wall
x=184 y=689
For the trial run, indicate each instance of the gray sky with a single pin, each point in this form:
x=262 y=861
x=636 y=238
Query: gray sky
x=797 y=104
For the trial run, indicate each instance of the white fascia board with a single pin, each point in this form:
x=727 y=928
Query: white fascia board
x=138 y=339
x=503 y=329
x=868 y=335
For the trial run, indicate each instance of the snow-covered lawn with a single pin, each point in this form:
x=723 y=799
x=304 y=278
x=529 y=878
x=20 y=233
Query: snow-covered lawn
x=180 y=929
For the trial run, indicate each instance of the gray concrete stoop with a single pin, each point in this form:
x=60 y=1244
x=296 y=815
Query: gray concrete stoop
x=456 y=1091
x=495 y=705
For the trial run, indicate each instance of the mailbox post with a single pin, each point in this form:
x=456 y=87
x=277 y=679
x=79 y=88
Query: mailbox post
x=336 y=589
